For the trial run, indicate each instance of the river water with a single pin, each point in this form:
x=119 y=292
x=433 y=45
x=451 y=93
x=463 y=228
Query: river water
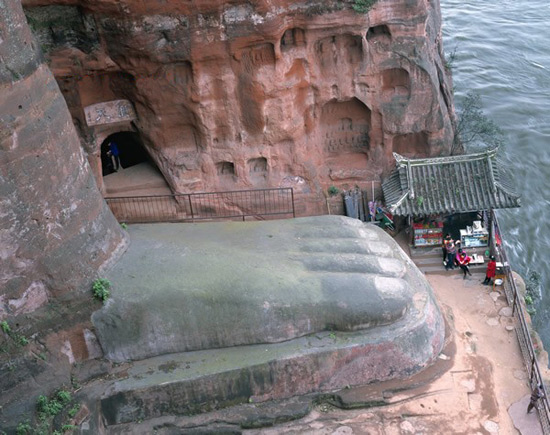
x=502 y=53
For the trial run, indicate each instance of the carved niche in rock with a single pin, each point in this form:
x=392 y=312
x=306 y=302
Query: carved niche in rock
x=250 y=90
x=379 y=35
x=257 y=166
x=258 y=171
x=293 y=38
x=225 y=168
x=411 y=144
x=335 y=51
x=345 y=128
x=396 y=82
x=179 y=76
x=254 y=58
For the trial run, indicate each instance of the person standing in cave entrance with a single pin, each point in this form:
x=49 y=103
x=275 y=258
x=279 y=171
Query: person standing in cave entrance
x=114 y=155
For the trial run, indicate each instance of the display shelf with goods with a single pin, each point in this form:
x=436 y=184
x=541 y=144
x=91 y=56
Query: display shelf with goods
x=428 y=234
x=474 y=236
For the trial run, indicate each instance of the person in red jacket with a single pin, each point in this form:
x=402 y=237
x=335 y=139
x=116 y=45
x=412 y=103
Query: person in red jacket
x=463 y=260
x=491 y=270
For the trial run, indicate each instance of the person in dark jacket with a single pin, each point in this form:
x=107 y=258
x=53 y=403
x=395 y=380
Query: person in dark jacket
x=114 y=154
x=538 y=393
x=491 y=270
x=451 y=254
x=446 y=241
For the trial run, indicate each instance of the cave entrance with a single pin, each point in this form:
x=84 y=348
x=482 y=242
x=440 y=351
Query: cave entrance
x=134 y=172
x=130 y=150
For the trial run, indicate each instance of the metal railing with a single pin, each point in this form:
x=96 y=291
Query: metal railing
x=523 y=331
x=191 y=207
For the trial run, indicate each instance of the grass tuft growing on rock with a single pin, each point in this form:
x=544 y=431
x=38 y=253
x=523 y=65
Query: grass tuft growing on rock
x=101 y=289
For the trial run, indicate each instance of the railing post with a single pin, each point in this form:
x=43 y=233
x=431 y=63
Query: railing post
x=191 y=208
x=292 y=199
x=241 y=204
x=514 y=303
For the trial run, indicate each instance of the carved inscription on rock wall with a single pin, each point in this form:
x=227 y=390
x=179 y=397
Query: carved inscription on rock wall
x=109 y=112
x=345 y=127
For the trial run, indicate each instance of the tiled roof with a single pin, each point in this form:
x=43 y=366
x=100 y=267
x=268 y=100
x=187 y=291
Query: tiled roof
x=454 y=184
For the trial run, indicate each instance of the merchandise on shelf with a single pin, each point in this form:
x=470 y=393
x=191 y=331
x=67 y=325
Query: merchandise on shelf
x=428 y=234
x=474 y=236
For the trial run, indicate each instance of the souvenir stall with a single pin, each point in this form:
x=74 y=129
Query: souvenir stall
x=449 y=195
x=429 y=233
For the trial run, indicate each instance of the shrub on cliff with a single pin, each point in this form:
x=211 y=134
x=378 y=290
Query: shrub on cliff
x=363 y=6
x=474 y=128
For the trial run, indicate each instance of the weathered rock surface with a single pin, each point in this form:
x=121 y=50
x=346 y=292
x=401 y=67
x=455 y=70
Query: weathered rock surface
x=55 y=229
x=256 y=94
x=261 y=309
x=211 y=285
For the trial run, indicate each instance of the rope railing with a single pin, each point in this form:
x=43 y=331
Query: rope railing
x=523 y=330
x=191 y=207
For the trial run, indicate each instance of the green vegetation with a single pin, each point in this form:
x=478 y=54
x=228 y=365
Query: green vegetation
x=47 y=408
x=333 y=190
x=51 y=407
x=363 y=6
x=21 y=340
x=74 y=383
x=474 y=128
x=100 y=288
x=124 y=226
x=450 y=59
x=5 y=327
x=18 y=339
x=23 y=428
x=74 y=410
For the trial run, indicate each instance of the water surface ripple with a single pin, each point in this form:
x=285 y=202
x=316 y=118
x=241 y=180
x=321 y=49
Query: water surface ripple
x=502 y=54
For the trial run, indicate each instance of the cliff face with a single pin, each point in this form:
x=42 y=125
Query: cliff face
x=55 y=229
x=232 y=95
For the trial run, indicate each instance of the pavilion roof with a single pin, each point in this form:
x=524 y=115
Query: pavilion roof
x=453 y=184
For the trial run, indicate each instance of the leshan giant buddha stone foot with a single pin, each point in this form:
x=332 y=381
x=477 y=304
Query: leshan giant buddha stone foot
x=198 y=287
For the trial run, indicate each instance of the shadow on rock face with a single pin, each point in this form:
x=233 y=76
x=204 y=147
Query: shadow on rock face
x=187 y=287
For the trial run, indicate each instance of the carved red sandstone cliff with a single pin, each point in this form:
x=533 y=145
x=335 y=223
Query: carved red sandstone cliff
x=55 y=229
x=256 y=94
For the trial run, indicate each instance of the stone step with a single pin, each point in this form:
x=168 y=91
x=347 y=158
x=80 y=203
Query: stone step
x=135 y=180
x=423 y=252
x=440 y=269
x=437 y=252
